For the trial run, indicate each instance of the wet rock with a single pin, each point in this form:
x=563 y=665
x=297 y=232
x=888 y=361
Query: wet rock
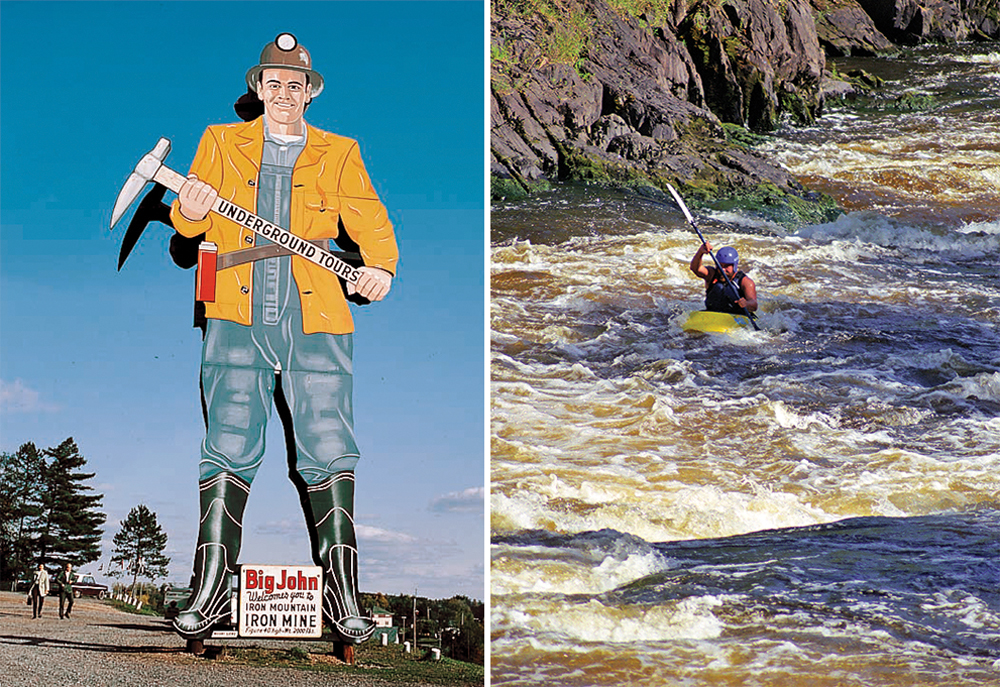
x=750 y=57
x=581 y=90
x=633 y=106
x=918 y=21
x=845 y=29
x=984 y=19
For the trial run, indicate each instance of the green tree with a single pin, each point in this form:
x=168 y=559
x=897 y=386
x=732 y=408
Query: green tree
x=70 y=523
x=139 y=547
x=21 y=486
x=370 y=601
x=461 y=627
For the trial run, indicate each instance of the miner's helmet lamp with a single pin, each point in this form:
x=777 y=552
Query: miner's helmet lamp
x=285 y=53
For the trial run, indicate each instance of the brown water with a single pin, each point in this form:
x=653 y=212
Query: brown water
x=815 y=503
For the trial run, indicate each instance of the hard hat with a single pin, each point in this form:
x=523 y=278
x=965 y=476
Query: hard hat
x=285 y=53
x=727 y=256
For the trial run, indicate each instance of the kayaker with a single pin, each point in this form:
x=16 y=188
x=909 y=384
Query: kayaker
x=719 y=297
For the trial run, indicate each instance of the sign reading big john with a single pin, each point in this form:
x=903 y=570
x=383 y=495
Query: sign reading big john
x=281 y=601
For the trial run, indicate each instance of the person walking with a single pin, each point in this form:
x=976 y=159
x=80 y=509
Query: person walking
x=65 y=581
x=38 y=591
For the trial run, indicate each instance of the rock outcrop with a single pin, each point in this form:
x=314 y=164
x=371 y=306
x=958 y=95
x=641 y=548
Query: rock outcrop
x=920 y=21
x=581 y=90
x=844 y=28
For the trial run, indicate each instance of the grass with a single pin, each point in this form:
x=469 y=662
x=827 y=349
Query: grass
x=128 y=608
x=371 y=660
x=567 y=38
x=636 y=8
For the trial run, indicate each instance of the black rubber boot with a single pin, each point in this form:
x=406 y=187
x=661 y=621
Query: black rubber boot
x=223 y=499
x=335 y=548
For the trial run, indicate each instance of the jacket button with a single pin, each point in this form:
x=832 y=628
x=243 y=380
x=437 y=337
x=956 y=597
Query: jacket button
x=244 y=290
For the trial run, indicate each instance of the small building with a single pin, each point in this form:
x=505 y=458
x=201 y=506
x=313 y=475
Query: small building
x=382 y=617
x=383 y=626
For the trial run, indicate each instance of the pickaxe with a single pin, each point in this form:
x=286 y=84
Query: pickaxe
x=151 y=168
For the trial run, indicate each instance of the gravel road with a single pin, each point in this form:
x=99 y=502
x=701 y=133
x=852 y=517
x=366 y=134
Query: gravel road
x=103 y=647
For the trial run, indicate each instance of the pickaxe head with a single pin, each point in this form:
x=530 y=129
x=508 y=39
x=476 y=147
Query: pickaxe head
x=144 y=172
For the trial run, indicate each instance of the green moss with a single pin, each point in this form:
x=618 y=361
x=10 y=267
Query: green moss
x=734 y=46
x=770 y=202
x=738 y=135
x=506 y=189
x=502 y=188
x=907 y=102
x=577 y=166
x=638 y=8
x=912 y=101
x=797 y=106
x=864 y=81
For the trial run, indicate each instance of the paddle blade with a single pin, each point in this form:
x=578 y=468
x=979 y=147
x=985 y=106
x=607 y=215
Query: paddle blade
x=680 y=203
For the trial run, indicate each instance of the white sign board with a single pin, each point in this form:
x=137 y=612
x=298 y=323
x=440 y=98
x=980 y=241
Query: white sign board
x=281 y=601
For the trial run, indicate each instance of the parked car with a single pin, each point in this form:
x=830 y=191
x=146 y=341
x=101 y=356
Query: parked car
x=174 y=600
x=84 y=584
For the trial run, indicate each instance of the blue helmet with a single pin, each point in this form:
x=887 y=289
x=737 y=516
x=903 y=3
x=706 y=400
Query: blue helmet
x=727 y=256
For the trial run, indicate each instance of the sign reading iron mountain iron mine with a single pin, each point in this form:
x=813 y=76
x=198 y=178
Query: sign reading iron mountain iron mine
x=281 y=601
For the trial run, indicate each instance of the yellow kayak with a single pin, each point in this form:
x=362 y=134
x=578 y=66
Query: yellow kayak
x=707 y=321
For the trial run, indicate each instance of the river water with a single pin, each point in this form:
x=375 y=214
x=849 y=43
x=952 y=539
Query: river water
x=816 y=503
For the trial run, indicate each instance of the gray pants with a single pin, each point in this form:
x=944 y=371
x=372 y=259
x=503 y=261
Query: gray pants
x=37 y=601
x=240 y=369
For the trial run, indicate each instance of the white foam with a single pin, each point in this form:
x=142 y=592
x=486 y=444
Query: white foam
x=981 y=227
x=970 y=610
x=576 y=627
x=660 y=512
x=985 y=386
x=539 y=570
x=991 y=59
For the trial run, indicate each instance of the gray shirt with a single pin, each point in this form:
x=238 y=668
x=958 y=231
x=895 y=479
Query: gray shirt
x=273 y=287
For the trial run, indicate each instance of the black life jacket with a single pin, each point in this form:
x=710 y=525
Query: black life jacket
x=719 y=297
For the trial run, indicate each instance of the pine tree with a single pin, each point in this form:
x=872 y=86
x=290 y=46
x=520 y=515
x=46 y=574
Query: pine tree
x=139 y=547
x=70 y=527
x=21 y=483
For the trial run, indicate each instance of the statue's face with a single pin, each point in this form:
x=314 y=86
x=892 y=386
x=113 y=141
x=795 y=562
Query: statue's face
x=285 y=94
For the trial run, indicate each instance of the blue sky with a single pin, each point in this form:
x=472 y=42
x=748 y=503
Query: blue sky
x=111 y=359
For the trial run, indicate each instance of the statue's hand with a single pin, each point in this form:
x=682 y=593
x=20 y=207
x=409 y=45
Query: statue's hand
x=373 y=283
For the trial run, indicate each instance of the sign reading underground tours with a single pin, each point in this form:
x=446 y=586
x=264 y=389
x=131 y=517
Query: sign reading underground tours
x=280 y=601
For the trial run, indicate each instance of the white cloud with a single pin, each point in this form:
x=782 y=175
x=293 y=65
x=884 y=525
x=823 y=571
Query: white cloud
x=15 y=397
x=365 y=532
x=468 y=501
x=369 y=533
x=281 y=527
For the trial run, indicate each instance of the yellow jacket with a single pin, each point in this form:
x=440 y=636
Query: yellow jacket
x=329 y=182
